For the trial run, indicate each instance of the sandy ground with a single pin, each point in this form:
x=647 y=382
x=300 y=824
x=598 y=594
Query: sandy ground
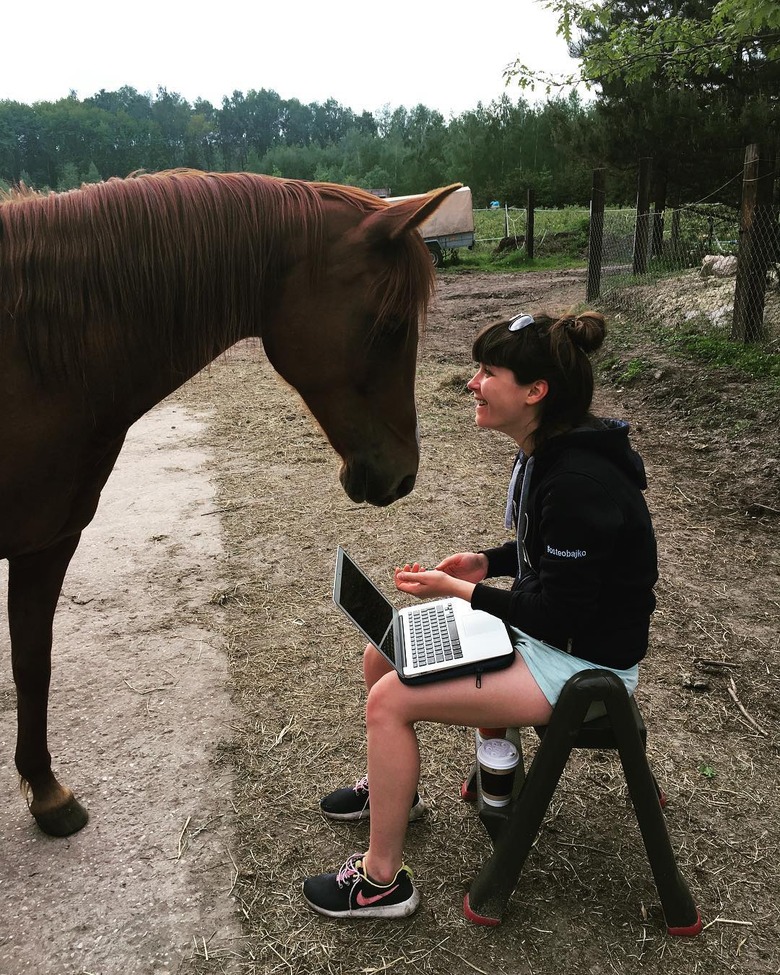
x=144 y=887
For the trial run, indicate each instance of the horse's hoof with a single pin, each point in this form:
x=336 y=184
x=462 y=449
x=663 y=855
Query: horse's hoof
x=64 y=821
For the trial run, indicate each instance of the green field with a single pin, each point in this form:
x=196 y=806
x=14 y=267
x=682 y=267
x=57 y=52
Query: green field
x=493 y=225
x=560 y=239
x=560 y=236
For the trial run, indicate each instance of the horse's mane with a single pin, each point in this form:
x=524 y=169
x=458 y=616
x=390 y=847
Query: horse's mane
x=167 y=252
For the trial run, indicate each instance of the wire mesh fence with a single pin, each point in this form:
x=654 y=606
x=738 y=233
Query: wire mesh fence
x=695 y=265
x=676 y=240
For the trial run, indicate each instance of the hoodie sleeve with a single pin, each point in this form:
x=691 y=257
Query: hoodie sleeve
x=502 y=560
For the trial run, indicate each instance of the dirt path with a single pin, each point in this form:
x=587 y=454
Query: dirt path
x=139 y=709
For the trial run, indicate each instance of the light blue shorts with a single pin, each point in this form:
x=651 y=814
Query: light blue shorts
x=551 y=667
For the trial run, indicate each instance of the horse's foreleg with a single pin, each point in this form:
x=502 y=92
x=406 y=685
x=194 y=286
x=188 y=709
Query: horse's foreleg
x=34 y=584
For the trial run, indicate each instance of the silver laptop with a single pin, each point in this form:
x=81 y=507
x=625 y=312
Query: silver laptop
x=432 y=640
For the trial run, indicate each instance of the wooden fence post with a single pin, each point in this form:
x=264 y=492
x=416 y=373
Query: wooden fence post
x=529 y=224
x=659 y=209
x=642 y=228
x=596 y=235
x=756 y=235
x=675 y=247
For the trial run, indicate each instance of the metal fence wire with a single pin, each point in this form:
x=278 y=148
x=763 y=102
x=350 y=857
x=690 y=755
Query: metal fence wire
x=712 y=267
x=689 y=273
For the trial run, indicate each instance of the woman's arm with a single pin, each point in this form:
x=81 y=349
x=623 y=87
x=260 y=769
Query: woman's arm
x=454 y=576
x=431 y=584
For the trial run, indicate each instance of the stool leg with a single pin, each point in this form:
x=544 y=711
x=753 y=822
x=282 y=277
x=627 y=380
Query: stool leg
x=496 y=881
x=468 y=788
x=682 y=916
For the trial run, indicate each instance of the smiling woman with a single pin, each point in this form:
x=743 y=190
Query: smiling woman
x=505 y=405
x=583 y=565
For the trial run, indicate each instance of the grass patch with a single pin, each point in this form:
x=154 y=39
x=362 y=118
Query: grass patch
x=492 y=225
x=618 y=371
x=633 y=370
x=712 y=350
x=482 y=258
x=700 y=342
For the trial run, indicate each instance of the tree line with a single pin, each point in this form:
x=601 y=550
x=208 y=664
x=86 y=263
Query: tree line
x=655 y=95
x=499 y=150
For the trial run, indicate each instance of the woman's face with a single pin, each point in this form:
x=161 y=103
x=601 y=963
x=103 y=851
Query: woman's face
x=504 y=405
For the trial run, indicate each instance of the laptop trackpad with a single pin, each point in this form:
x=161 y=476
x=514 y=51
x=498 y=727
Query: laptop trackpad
x=479 y=624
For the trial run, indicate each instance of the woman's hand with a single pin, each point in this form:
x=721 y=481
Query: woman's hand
x=469 y=566
x=431 y=584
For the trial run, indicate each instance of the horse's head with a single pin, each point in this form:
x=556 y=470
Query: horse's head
x=346 y=337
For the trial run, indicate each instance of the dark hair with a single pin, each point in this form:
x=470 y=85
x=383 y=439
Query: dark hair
x=556 y=350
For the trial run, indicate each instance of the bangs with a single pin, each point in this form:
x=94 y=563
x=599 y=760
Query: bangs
x=519 y=351
x=496 y=346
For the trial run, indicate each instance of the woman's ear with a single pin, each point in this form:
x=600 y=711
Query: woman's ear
x=537 y=391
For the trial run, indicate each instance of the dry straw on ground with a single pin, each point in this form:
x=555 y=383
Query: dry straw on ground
x=586 y=901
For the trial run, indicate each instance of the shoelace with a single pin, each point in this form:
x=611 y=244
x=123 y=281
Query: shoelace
x=361 y=785
x=349 y=872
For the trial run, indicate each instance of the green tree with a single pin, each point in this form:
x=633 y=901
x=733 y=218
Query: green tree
x=470 y=152
x=376 y=179
x=69 y=177
x=125 y=100
x=677 y=81
x=331 y=122
x=678 y=42
x=292 y=162
x=295 y=122
x=18 y=125
x=202 y=137
x=170 y=124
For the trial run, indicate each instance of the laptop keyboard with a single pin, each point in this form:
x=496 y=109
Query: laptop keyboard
x=433 y=635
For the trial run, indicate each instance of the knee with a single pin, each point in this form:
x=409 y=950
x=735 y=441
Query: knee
x=383 y=707
x=32 y=677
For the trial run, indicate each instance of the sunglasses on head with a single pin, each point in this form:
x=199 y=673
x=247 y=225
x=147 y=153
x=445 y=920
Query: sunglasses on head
x=520 y=322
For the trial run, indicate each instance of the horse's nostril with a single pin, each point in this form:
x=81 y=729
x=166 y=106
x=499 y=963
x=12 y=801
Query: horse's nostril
x=406 y=485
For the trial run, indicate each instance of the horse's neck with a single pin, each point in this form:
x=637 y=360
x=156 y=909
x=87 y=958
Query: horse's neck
x=122 y=385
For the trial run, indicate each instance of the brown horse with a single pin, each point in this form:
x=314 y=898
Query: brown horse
x=114 y=295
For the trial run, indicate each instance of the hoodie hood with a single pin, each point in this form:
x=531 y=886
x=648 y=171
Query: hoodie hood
x=606 y=437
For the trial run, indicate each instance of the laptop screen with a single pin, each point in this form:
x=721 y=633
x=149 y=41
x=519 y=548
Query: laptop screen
x=365 y=605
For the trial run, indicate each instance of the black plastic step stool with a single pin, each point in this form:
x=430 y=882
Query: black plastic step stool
x=513 y=828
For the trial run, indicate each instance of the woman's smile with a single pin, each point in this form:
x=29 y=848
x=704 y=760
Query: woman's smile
x=501 y=403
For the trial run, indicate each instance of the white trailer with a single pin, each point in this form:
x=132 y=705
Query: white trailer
x=450 y=226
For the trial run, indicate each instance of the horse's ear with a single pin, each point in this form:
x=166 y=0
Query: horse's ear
x=400 y=218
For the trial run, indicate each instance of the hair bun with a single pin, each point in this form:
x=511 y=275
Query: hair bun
x=586 y=330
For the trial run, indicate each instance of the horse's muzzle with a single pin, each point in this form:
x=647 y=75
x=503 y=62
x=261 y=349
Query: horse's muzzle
x=363 y=484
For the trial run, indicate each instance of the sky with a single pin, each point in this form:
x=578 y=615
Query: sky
x=366 y=57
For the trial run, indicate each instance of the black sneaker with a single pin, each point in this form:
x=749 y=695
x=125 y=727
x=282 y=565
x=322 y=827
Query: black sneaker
x=352 y=803
x=350 y=893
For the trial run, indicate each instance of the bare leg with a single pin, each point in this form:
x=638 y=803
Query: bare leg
x=34 y=584
x=374 y=666
x=506 y=698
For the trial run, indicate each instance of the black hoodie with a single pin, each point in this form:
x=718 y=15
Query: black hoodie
x=584 y=579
